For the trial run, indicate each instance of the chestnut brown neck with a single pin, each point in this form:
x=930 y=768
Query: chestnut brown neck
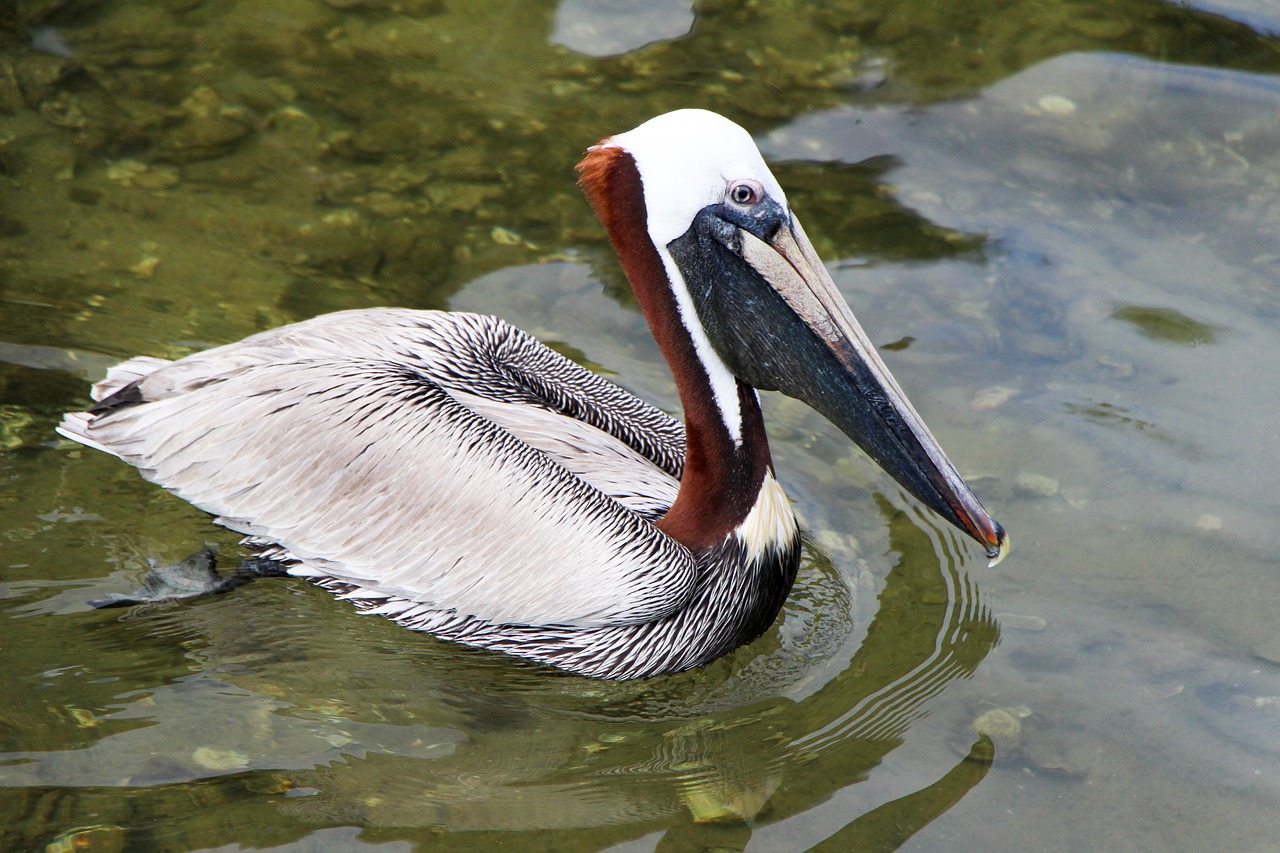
x=722 y=476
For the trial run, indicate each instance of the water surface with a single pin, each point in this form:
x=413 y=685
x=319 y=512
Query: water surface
x=1060 y=222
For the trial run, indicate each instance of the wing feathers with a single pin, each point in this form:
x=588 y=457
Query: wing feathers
x=368 y=470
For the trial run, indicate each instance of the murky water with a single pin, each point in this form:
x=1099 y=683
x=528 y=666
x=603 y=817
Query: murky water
x=1060 y=218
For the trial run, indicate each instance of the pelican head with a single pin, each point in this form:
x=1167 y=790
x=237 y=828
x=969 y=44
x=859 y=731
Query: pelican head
x=735 y=294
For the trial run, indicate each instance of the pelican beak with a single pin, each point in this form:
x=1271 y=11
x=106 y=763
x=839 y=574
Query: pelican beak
x=780 y=323
x=888 y=427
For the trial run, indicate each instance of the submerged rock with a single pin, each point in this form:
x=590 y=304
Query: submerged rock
x=1036 y=485
x=221 y=760
x=100 y=838
x=202 y=138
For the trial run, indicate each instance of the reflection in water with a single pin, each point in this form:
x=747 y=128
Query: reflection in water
x=613 y=27
x=888 y=826
x=419 y=734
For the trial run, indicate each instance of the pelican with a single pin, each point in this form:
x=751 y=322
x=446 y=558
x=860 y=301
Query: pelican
x=449 y=472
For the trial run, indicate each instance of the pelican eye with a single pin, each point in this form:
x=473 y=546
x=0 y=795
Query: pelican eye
x=745 y=192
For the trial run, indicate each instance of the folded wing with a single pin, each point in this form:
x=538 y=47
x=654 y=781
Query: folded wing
x=374 y=454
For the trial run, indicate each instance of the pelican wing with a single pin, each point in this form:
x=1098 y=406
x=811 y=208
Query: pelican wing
x=608 y=464
x=341 y=440
x=464 y=353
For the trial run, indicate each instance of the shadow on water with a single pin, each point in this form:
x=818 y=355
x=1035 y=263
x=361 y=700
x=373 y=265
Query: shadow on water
x=365 y=727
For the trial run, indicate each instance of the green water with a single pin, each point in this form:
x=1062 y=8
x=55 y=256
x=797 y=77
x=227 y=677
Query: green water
x=1059 y=219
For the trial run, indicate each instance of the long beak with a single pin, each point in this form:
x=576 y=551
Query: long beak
x=840 y=374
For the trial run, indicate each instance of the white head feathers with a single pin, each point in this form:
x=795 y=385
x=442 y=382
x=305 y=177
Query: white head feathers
x=686 y=159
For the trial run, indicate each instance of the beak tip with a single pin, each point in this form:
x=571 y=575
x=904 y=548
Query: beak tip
x=997 y=552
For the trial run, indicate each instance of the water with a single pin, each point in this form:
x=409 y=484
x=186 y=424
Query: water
x=1060 y=218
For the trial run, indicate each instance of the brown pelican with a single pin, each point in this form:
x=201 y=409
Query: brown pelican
x=451 y=473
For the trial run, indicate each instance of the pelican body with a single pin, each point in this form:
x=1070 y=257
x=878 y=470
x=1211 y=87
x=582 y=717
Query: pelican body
x=448 y=471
